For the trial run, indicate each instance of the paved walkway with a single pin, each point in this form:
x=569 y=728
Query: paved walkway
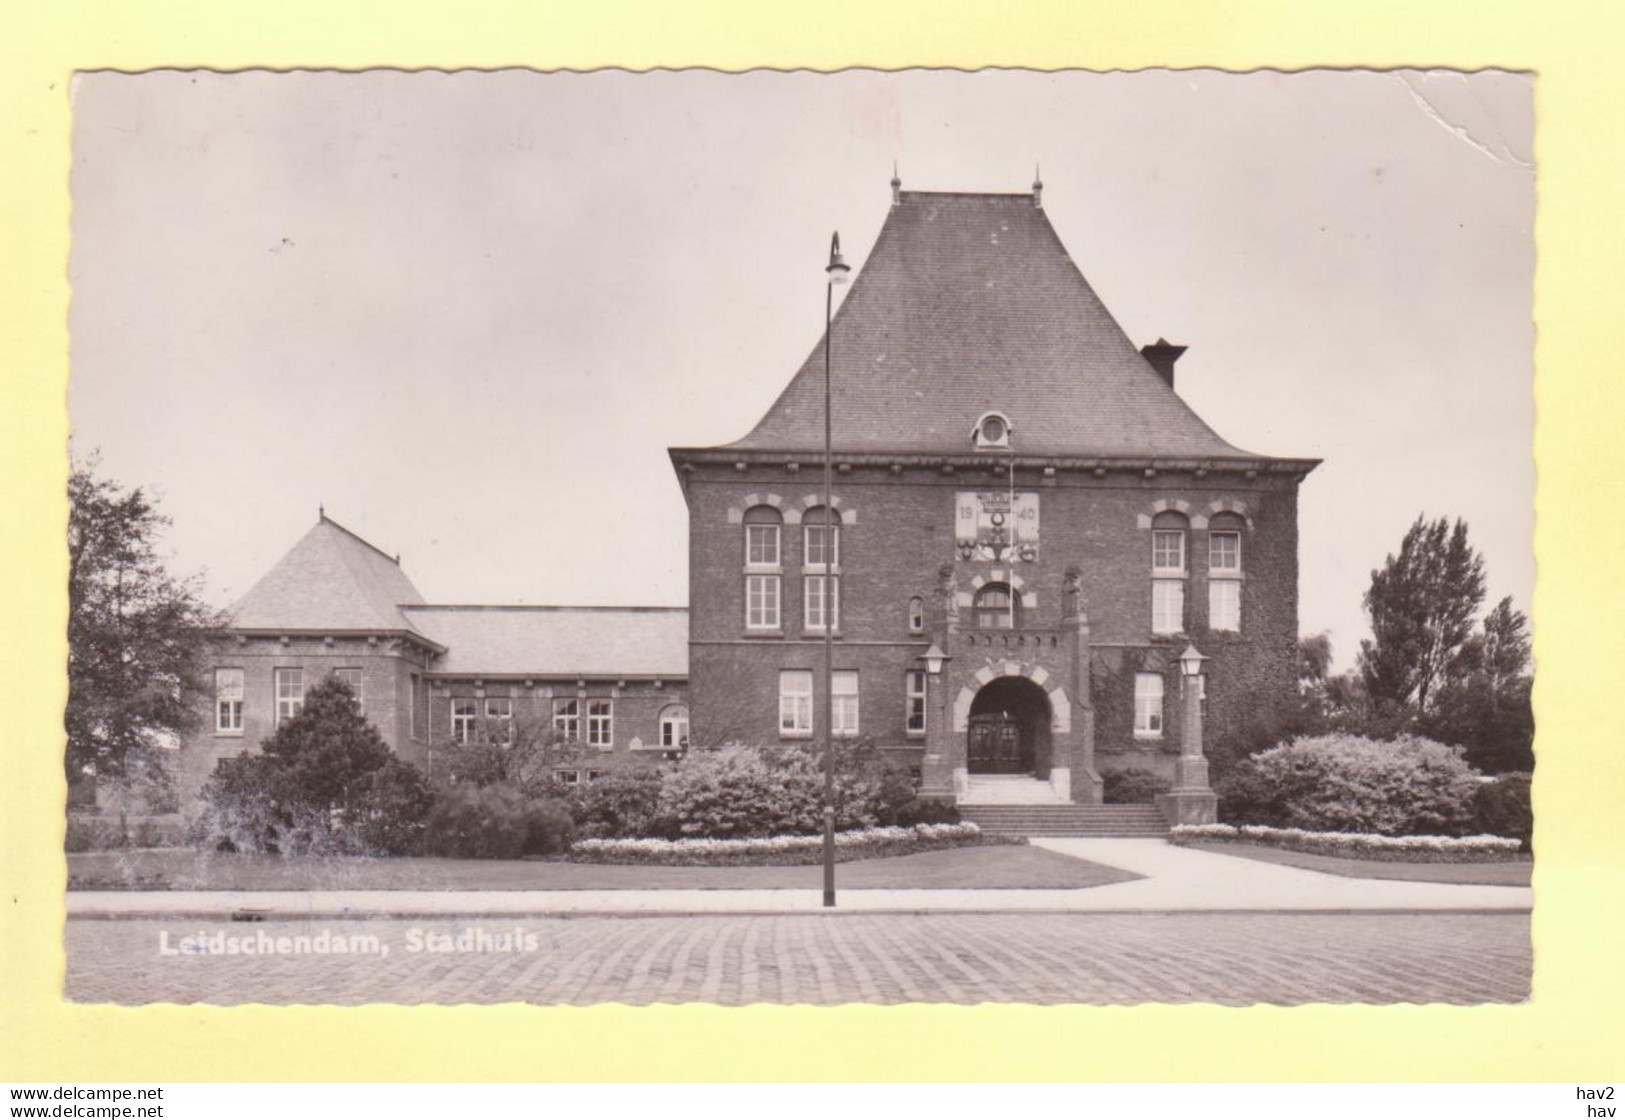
x=874 y=958
x=1177 y=879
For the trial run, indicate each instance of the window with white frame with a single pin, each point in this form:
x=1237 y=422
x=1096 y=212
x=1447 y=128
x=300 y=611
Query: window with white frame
x=763 y=545
x=567 y=719
x=228 y=701
x=914 y=693
x=289 y=685
x=1224 y=604
x=1148 y=705
x=674 y=728
x=352 y=678
x=820 y=544
x=1224 y=573
x=1168 y=548
x=916 y=615
x=844 y=690
x=600 y=723
x=812 y=597
x=761 y=602
x=499 y=719
x=568 y=777
x=795 y=702
x=1168 y=572
x=1167 y=606
x=465 y=719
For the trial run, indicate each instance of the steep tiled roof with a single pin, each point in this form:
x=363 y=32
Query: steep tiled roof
x=330 y=580
x=557 y=641
x=969 y=304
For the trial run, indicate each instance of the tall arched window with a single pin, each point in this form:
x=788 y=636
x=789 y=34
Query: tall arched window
x=1169 y=538
x=916 y=615
x=820 y=570
x=763 y=552
x=996 y=607
x=1224 y=572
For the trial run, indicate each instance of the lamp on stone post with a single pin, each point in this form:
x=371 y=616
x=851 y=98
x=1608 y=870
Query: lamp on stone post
x=934 y=660
x=1192 y=800
x=836 y=272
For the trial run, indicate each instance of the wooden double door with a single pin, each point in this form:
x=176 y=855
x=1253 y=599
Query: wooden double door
x=999 y=744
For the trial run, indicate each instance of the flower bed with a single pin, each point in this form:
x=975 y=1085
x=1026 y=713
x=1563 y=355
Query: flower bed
x=1359 y=845
x=865 y=843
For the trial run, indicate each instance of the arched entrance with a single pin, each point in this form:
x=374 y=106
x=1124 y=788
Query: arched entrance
x=1009 y=728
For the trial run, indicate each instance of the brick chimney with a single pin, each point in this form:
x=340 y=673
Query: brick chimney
x=1162 y=355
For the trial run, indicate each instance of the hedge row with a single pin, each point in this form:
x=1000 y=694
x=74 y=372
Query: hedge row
x=862 y=843
x=1359 y=845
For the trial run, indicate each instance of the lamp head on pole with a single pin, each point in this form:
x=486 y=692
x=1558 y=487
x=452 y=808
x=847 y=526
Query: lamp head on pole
x=1190 y=662
x=837 y=268
x=934 y=659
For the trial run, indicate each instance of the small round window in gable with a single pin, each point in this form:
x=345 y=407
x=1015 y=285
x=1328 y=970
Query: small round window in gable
x=992 y=431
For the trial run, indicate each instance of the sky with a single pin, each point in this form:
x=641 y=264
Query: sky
x=467 y=313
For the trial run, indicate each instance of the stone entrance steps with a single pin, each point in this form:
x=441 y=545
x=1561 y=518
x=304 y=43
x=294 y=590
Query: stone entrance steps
x=1009 y=789
x=1068 y=820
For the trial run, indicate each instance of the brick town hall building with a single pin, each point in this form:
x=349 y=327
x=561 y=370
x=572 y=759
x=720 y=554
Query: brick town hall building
x=1018 y=488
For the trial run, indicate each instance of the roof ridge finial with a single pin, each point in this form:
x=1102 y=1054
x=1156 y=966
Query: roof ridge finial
x=321 y=511
x=1038 y=187
x=896 y=186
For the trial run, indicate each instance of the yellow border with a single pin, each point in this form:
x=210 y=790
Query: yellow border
x=1570 y=1031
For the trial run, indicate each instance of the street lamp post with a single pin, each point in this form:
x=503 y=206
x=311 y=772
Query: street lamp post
x=836 y=273
x=1191 y=800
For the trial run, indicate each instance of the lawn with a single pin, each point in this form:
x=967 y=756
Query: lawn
x=981 y=866
x=1512 y=873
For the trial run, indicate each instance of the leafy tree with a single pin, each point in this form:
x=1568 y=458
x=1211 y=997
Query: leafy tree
x=135 y=632
x=323 y=754
x=1423 y=604
x=1486 y=707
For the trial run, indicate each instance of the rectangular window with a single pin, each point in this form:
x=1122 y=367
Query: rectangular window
x=465 y=718
x=812 y=599
x=795 y=702
x=1224 y=553
x=499 y=720
x=1168 y=551
x=1148 y=705
x=914 y=688
x=567 y=719
x=1224 y=604
x=762 y=546
x=568 y=777
x=412 y=704
x=600 y=723
x=228 y=701
x=815 y=554
x=290 y=693
x=761 y=602
x=1167 y=606
x=845 y=693
x=351 y=677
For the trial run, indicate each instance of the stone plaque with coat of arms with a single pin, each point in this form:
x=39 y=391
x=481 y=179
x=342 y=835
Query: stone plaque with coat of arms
x=996 y=525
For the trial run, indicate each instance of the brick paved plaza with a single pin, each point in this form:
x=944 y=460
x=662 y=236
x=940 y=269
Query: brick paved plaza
x=1230 y=958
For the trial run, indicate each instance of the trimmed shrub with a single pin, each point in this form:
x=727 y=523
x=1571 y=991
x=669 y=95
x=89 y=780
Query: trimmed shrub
x=621 y=803
x=1134 y=786
x=1503 y=808
x=1248 y=796
x=737 y=790
x=549 y=827
x=1346 y=783
x=477 y=822
x=924 y=811
x=245 y=809
x=389 y=807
